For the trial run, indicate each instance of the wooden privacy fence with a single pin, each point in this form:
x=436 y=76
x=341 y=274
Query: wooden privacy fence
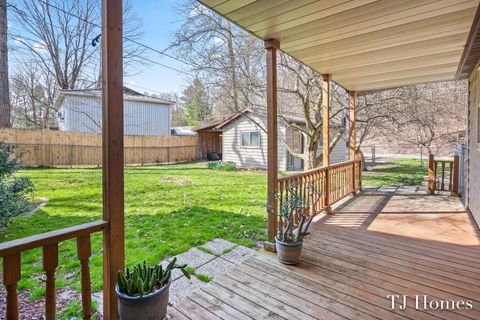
x=443 y=175
x=331 y=183
x=59 y=148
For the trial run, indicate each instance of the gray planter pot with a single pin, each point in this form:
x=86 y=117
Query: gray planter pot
x=288 y=253
x=150 y=307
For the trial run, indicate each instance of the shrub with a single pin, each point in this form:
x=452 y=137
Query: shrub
x=222 y=165
x=14 y=191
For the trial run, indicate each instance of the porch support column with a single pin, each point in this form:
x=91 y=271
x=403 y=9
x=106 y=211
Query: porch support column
x=272 y=45
x=326 y=87
x=352 y=95
x=113 y=191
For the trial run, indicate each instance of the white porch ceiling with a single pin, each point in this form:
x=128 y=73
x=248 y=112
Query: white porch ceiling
x=364 y=44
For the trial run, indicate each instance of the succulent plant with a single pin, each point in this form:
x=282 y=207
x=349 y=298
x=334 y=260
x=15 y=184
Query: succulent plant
x=143 y=279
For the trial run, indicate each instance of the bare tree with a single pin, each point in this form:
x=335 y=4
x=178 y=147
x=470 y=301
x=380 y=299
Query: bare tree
x=232 y=63
x=5 y=112
x=426 y=116
x=63 y=37
x=302 y=87
x=33 y=95
x=58 y=41
x=220 y=54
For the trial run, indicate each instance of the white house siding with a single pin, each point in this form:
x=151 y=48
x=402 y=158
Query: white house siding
x=339 y=153
x=473 y=156
x=256 y=157
x=84 y=114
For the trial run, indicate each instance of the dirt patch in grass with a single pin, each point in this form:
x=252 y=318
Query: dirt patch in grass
x=179 y=181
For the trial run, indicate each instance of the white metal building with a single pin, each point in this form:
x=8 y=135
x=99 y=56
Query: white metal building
x=81 y=111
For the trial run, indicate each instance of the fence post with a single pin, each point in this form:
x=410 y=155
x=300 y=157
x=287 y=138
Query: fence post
x=373 y=155
x=456 y=163
x=431 y=177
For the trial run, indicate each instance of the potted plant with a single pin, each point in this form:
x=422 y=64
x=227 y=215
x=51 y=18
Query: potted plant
x=143 y=292
x=296 y=214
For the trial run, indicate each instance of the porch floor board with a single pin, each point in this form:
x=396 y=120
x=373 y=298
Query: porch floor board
x=375 y=244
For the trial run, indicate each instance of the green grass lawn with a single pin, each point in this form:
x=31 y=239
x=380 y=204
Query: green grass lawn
x=168 y=210
x=396 y=172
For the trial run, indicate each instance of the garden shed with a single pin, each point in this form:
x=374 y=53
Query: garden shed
x=81 y=111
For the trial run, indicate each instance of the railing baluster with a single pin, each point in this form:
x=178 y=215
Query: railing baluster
x=84 y=252
x=11 y=276
x=50 y=263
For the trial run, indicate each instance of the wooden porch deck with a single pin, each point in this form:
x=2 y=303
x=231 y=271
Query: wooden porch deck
x=374 y=245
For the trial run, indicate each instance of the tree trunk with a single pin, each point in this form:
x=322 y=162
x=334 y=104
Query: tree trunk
x=5 y=111
x=233 y=71
x=311 y=155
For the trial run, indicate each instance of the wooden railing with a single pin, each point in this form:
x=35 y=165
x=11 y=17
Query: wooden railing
x=325 y=186
x=443 y=175
x=11 y=253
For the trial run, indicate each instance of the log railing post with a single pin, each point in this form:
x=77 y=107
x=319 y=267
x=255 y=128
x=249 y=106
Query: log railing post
x=113 y=156
x=11 y=276
x=431 y=175
x=50 y=263
x=326 y=87
x=271 y=47
x=456 y=163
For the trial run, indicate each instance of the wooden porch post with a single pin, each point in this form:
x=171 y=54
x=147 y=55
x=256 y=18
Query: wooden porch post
x=327 y=78
x=455 y=177
x=352 y=134
x=272 y=45
x=431 y=175
x=113 y=158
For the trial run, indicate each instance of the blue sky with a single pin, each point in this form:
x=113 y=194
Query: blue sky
x=159 y=21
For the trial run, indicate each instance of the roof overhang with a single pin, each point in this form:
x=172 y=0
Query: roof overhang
x=367 y=45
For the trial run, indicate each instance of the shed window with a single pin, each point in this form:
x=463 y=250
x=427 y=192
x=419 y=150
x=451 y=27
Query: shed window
x=250 y=139
x=298 y=142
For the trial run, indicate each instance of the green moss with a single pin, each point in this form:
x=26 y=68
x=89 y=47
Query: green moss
x=203 y=277
x=206 y=250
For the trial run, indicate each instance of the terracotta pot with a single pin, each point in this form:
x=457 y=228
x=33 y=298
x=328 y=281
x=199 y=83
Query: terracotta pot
x=288 y=253
x=153 y=306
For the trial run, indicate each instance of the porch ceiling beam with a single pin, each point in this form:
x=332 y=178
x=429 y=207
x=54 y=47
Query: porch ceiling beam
x=399 y=82
x=410 y=72
x=272 y=46
x=113 y=158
